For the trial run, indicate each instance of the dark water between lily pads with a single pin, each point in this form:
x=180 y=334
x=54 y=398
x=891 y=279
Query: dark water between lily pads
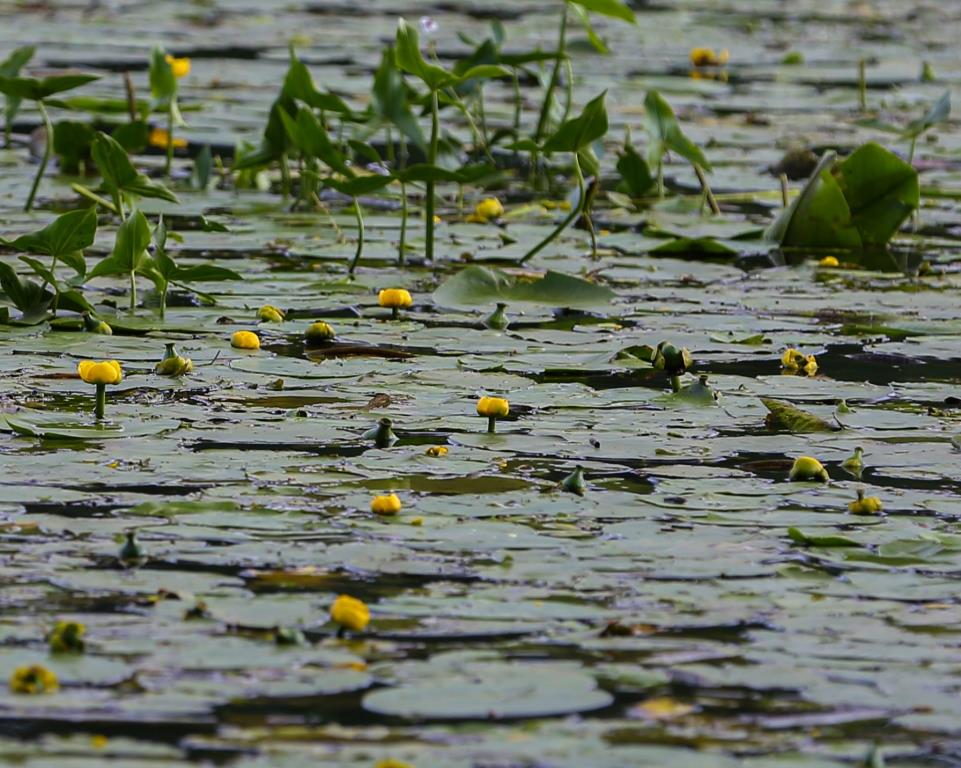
x=692 y=608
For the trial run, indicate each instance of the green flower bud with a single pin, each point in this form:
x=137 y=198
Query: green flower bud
x=132 y=554
x=92 y=324
x=173 y=364
x=382 y=434
x=574 y=482
x=497 y=319
x=671 y=360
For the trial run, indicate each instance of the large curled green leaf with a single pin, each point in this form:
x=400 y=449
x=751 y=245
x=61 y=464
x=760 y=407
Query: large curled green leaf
x=881 y=190
x=858 y=203
x=475 y=285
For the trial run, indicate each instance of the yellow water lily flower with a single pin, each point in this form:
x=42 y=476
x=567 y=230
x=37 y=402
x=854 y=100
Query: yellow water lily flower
x=394 y=299
x=180 y=67
x=319 y=331
x=158 y=137
x=793 y=361
x=808 y=468
x=437 y=450
x=493 y=408
x=67 y=637
x=487 y=209
x=268 y=313
x=392 y=762
x=865 y=505
x=100 y=372
x=706 y=57
x=662 y=708
x=385 y=505
x=33 y=679
x=350 y=613
x=829 y=262
x=245 y=340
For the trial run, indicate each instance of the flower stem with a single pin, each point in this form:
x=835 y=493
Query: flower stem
x=491 y=425
x=101 y=401
x=572 y=216
x=360 y=237
x=432 y=159
x=170 y=139
x=394 y=313
x=675 y=383
x=402 y=247
x=47 y=149
x=133 y=291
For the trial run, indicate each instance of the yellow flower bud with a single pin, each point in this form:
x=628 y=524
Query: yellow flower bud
x=437 y=450
x=270 y=314
x=865 y=505
x=391 y=762
x=385 y=505
x=350 y=613
x=829 y=262
x=320 y=331
x=489 y=208
x=493 y=407
x=102 y=372
x=33 y=679
x=180 y=67
x=245 y=340
x=808 y=468
x=394 y=298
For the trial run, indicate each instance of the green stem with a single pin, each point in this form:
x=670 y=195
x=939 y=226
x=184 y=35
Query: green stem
x=491 y=425
x=284 y=176
x=482 y=113
x=100 y=402
x=569 y=88
x=360 y=237
x=118 y=204
x=571 y=217
x=432 y=160
x=552 y=83
x=394 y=313
x=660 y=177
x=133 y=291
x=675 y=383
x=402 y=247
x=163 y=302
x=518 y=102
x=47 y=149
x=914 y=145
x=170 y=139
